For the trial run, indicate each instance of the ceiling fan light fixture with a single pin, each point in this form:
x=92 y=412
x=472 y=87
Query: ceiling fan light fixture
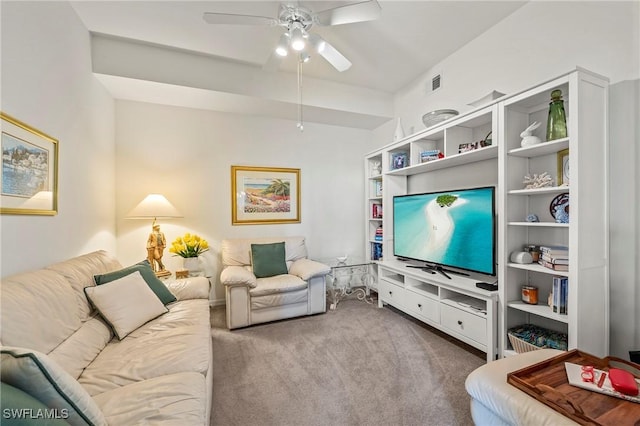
x=297 y=36
x=282 y=49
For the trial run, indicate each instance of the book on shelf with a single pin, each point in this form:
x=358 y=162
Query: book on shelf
x=430 y=155
x=376 y=251
x=378 y=234
x=376 y=211
x=554 y=266
x=559 y=260
x=378 y=188
x=555 y=251
x=560 y=294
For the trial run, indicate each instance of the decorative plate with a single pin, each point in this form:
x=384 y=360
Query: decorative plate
x=559 y=208
x=434 y=117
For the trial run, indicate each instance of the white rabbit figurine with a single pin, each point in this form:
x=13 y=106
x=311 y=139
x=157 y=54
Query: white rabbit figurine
x=527 y=138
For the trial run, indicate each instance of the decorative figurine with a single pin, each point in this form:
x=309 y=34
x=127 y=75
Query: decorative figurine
x=542 y=180
x=532 y=218
x=376 y=168
x=527 y=138
x=155 y=249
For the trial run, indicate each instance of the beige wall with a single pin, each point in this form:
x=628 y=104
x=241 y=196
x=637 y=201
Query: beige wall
x=47 y=83
x=187 y=154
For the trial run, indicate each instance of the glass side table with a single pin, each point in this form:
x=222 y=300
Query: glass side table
x=348 y=278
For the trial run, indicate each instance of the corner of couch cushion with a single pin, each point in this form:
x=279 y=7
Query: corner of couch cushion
x=190 y=288
x=36 y=374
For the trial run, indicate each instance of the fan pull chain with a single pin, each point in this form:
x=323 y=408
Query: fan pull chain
x=300 y=125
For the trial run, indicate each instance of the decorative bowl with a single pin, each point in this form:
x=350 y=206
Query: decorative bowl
x=434 y=117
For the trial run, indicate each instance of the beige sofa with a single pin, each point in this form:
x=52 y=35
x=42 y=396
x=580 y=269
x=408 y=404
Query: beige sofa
x=496 y=402
x=59 y=349
x=298 y=290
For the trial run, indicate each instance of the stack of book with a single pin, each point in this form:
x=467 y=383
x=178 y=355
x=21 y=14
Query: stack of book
x=554 y=257
x=560 y=294
x=378 y=236
x=430 y=155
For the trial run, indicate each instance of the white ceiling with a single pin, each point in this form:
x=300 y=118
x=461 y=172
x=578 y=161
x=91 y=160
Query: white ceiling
x=387 y=54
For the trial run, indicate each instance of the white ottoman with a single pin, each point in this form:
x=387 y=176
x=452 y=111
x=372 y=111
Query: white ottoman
x=496 y=402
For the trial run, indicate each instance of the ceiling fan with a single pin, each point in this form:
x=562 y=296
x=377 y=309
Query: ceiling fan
x=298 y=20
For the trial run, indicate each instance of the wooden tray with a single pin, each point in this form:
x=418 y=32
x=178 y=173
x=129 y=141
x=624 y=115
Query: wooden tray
x=547 y=382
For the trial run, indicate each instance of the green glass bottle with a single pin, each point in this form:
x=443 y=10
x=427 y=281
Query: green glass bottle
x=557 y=122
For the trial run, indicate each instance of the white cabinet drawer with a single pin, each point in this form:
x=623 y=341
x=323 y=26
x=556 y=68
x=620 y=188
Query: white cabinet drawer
x=391 y=293
x=424 y=306
x=464 y=323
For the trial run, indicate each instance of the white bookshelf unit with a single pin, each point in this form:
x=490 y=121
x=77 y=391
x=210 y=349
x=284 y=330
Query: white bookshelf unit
x=586 y=235
x=504 y=164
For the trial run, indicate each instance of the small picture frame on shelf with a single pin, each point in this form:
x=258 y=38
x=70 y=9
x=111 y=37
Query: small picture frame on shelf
x=563 y=167
x=399 y=160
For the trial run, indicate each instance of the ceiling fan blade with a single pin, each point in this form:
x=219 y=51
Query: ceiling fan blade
x=233 y=19
x=356 y=12
x=330 y=53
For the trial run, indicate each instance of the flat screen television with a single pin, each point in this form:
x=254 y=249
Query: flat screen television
x=447 y=228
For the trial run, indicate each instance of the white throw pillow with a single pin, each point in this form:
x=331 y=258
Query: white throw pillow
x=41 y=377
x=126 y=303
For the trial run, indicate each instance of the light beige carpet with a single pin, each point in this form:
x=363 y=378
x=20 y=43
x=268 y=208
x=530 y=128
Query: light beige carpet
x=358 y=365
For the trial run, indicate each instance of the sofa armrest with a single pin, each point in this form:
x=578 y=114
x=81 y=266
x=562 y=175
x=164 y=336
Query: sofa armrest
x=237 y=276
x=307 y=268
x=189 y=288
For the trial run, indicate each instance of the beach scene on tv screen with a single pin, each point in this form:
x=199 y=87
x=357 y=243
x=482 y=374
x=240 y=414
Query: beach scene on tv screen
x=450 y=228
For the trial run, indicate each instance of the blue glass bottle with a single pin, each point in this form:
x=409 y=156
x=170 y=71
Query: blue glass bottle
x=557 y=122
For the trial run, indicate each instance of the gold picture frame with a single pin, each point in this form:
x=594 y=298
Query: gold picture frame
x=29 y=179
x=264 y=195
x=563 y=167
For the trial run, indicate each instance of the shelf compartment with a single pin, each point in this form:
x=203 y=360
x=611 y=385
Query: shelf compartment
x=469 y=157
x=539 y=310
x=540 y=191
x=534 y=267
x=540 y=224
x=543 y=148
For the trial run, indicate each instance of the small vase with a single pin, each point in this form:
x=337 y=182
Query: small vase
x=557 y=122
x=399 y=133
x=192 y=264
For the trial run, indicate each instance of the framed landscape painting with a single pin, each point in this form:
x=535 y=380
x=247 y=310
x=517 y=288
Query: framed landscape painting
x=29 y=181
x=264 y=195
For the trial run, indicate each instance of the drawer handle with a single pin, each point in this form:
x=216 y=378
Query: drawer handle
x=459 y=322
x=419 y=305
x=390 y=293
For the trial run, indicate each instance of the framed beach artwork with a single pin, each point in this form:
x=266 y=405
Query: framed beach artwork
x=29 y=179
x=264 y=195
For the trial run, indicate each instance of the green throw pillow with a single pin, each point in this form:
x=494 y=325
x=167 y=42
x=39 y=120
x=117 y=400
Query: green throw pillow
x=20 y=408
x=268 y=260
x=147 y=273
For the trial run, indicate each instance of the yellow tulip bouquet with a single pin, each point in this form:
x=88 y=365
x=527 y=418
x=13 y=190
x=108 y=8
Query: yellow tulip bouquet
x=191 y=245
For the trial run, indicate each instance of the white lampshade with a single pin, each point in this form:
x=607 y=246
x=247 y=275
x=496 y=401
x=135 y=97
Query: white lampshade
x=154 y=206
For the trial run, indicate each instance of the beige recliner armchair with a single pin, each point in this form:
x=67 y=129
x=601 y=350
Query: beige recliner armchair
x=280 y=290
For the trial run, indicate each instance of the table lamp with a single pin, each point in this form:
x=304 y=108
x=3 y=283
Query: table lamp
x=155 y=206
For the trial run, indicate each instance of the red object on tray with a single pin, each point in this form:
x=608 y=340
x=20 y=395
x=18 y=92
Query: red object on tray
x=623 y=381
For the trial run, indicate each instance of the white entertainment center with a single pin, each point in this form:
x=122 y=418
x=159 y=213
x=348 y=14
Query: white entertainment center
x=456 y=306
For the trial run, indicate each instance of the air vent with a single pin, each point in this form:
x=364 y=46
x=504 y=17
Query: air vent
x=435 y=83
